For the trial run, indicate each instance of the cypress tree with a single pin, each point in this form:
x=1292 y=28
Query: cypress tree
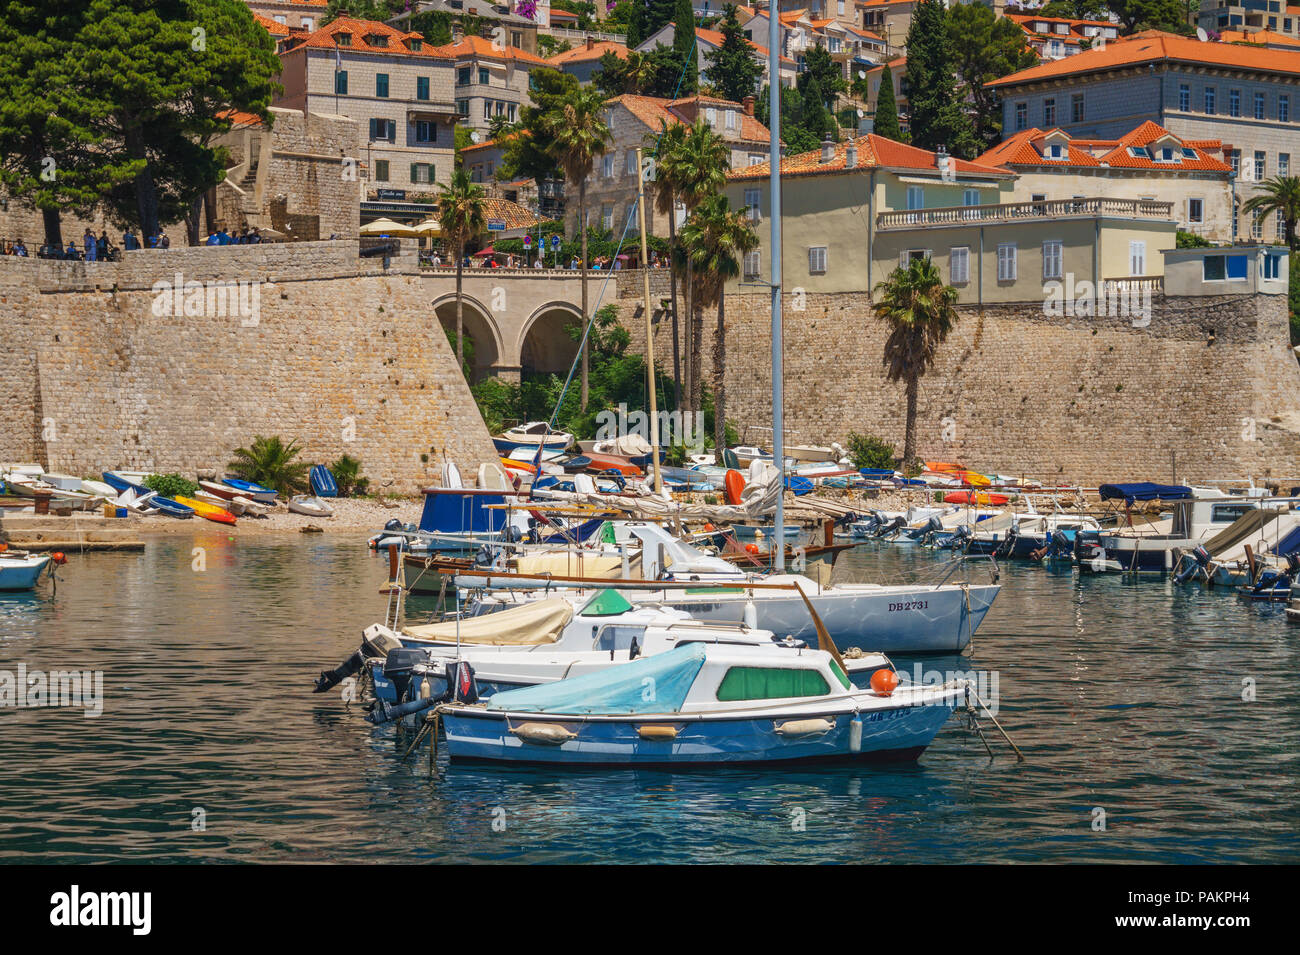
x=732 y=69
x=684 y=47
x=886 y=121
x=936 y=116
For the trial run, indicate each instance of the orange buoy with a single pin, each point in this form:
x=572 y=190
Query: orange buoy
x=708 y=526
x=751 y=548
x=59 y=557
x=884 y=681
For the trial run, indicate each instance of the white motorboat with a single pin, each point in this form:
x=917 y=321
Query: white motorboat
x=310 y=506
x=21 y=570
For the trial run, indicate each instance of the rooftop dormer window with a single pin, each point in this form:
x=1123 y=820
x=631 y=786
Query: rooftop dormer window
x=1055 y=151
x=1189 y=153
x=415 y=45
x=343 y=39
x=375 y=40
x=1139 y=152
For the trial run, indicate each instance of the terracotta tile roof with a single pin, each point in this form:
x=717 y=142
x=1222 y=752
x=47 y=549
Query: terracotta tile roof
x=583 y=53
x=866 y=33
x=240 y=119
x=714 y=38
x=873 y=152
x=896 y=64
x=652 y=111
x=1153 y=46
x=512 y=214
x=1260 y=37
x=563 y=15
x=324 y=39
x=493 y=143
x=1022 y=150
x=273 y=27
x=479 y=48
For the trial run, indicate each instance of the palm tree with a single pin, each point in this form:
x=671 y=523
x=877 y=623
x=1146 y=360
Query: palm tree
x=576 y=135
x=462 y=215
x=716 y=241
x=639 y=71
x=919 y=310
x=271 y=463
x=1280 y=195
x=667 y=149
x=699 y=169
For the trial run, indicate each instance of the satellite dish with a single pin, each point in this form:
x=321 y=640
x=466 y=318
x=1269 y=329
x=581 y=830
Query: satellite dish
x=861 y=114
x=474 y=136
x=1201 y=34
x=862 y=74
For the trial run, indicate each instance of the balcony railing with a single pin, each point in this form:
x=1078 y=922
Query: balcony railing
x=1018 y=211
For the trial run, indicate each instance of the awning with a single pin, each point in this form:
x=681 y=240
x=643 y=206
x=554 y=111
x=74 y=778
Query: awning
x=1144 y=491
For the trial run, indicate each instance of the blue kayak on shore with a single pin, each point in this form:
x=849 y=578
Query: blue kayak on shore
x=323 y=483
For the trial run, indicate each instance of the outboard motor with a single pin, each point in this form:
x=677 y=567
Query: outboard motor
x=1007 y=544
x=375 y=644
x=400 y=665
x=892 y=528
x=461 y=685
x=1190 y=564
x=960 y=539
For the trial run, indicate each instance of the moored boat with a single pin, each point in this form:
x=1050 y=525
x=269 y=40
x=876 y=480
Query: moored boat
x=206 y=510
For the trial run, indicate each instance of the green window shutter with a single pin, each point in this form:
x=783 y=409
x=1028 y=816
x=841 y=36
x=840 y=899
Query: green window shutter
x=770 y=683
x=415 y=168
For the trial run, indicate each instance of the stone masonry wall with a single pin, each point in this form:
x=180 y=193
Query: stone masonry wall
x=1211 y=381
x=332 y=350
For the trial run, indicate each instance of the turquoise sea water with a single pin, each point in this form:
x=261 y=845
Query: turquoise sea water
x=1125 y=697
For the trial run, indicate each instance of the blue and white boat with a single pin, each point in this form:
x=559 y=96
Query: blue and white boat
x=251 y=489
x=1198 y=514
x=702 y=704
x=322 y=482
x=21 y=571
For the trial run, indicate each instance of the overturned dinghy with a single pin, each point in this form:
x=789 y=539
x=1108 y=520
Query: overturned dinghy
x=703 y=704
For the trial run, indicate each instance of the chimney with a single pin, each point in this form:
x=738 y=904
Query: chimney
x=851 y=156
x=828 y=149
x=749 y=105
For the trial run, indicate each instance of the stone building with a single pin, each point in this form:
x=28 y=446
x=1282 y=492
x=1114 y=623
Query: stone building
x=1243 y=96
x=397 y=88
x=490 y=80
x=852 y=212
x=583 y=61
x=1250 y=16
x=299 y=178
x=304 y=15
x=708 y=41
x=634 y=121
x=1147 y=163
x=1054 y=38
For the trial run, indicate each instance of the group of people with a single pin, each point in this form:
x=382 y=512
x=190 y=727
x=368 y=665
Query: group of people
x=246 y=237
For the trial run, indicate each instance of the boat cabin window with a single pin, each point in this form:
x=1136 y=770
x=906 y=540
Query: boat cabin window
x=770 y=683
x=619 y=638
x=1227 y=513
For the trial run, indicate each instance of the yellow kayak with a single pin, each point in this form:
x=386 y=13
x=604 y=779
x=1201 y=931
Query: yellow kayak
x=210 y=511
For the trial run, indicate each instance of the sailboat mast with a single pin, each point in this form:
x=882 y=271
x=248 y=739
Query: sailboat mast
x=774 y=214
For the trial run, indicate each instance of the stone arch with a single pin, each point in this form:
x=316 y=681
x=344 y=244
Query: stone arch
x=480 y=328
x=544 y=345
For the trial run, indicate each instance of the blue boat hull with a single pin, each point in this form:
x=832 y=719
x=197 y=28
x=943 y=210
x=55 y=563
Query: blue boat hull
x=901 y=734
x=323 y=483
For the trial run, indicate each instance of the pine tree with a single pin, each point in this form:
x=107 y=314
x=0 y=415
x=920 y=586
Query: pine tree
x=936 y=116
x=732 y=69
x=886 y=122
x=658 y=14
x=684 y=47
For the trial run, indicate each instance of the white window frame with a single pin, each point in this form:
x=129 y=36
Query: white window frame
x=1137 y=257
x=753 y=198
x=1199 y=216
x=607 y=166
x=817 y=260
x=915 y=198
x=753 y=264
x=959 y=255
x=629 y=162
x=1053 y=259
x=1006 y=262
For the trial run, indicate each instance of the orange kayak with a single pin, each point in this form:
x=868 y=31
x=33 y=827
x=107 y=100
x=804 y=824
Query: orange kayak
x=210 y=511
x=733 y=484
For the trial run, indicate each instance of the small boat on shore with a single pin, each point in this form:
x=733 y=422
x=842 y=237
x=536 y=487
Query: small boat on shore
x=206 y=510
x=322 y=482
x=310 y=506
x=251 y=489
x=707 y=704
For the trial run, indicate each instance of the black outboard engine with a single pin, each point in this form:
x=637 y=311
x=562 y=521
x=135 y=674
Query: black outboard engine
x=1007 y=544
x=461 y=688
x=893 y=527
x=926 y=532
x=1087 y=545
x=373 y=646
x=1190 y=564
x=394 y=525
x=400 y=665
x=961 y=538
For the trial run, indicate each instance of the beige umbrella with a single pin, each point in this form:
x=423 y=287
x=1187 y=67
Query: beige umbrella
x=388 y=227
x=428 y=227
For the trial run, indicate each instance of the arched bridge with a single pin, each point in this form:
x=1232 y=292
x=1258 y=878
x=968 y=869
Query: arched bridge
x=517 y=318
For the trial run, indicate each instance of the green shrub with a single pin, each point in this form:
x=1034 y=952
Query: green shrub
x=171 y=485
x=271 y=463
x=347 y=475
x=866 y=451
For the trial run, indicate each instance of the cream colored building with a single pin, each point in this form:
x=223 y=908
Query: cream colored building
x=855 y=211
x=397 y=88
x=491 y=80
x=634 y=121
x=1149 y=163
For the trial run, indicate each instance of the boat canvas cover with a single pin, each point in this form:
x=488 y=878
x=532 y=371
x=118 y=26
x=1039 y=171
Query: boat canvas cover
x=1240 y=530
x=446 y=512
x=570 y=563
x=654 y=684
x=1144 y=491
x=533 y=624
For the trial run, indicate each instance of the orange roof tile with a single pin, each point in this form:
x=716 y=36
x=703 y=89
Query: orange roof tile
x=1154 y=46
x=512 y=214
x=358 y=30
x=1260 y=37
x=273 y=27
x=653 y=111
x=873 y=152
x=715 y=38
x=1021 y=150
x=583 y=53
x=479 y=48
